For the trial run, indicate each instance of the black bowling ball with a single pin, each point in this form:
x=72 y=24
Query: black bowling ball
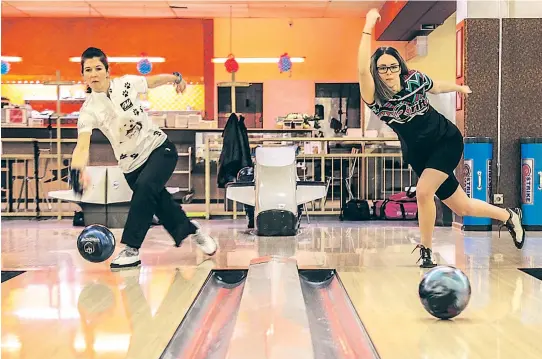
x=96 y=243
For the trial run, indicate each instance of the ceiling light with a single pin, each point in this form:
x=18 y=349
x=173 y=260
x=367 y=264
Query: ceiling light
x=125 y=59
x=12 y=58
x=257 y=60
x=231 y=84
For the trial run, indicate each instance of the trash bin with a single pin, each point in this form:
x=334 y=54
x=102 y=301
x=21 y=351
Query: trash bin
x=478 y=157
x=531 y=183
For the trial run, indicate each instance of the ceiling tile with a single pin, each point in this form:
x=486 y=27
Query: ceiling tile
x=194 y=8
x=281 y=9
x=354 y=8
x=54 y=8
x=129 y=3
x=8 y=10
x=136 y=12
x=213 y=10
x=46 y=4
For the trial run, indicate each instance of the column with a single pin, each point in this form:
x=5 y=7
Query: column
x=209 y=68
x=517 y=68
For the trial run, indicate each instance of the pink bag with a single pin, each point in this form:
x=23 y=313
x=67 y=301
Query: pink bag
x=399 y=206
x=403 y=197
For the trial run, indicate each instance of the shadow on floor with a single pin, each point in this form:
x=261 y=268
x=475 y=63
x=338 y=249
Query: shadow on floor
x=535 y=272
x=10 y=274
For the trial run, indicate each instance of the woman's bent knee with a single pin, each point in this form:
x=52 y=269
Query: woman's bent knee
x=424 y=194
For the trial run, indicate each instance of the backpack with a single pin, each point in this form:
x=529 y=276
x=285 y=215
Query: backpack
x=355 y=210
x=400 y=206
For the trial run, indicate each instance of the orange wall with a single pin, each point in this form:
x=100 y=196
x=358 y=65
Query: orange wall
x=329 y=45
x=46 y=44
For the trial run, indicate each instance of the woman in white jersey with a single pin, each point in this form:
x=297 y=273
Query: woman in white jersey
x=431 y=144
x=143 y=151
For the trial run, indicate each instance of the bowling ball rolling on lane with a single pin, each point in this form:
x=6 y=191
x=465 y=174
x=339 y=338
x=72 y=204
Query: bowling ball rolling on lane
x=96 y=243
x=444 y=292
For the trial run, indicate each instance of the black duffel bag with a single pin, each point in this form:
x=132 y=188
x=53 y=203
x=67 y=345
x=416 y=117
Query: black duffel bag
x=355 y=210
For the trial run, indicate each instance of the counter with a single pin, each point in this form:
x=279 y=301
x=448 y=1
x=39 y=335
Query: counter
x=189 y=176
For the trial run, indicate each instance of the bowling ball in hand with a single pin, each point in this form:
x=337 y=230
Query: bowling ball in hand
x=444 y=292
x=96 y=243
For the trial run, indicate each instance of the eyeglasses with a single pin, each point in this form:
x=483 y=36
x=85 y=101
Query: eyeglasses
x=384 y=69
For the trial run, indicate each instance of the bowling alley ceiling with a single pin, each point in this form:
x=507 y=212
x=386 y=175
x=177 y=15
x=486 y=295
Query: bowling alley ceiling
x=189 y=9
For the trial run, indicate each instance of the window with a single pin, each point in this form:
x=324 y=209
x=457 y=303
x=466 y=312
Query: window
x=248 y=101
x=337 y=98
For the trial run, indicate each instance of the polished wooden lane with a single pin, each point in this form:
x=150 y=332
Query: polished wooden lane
x=130 y=314
x=503 y=319
x=64 y=307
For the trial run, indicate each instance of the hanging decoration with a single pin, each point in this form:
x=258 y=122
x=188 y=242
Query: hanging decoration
x=144 y=66
x=231 y=64
x=285 y=64
x=5 y=67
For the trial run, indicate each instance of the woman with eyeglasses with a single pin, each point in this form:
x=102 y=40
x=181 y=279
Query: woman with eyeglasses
x=431 y=144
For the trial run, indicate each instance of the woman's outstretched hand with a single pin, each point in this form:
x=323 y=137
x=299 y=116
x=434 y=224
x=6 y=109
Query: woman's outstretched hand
x=465 y=90
x=180 y=87
x=372 y=17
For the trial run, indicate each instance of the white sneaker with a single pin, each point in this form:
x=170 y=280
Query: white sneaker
x=206 y=243
x=127 y=258
x=514 y=226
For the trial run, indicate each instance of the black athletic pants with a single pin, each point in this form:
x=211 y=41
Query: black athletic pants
x=150 y=197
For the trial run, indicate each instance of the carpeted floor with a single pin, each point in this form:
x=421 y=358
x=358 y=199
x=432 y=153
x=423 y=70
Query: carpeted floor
x=535 y=272
x=10 y=274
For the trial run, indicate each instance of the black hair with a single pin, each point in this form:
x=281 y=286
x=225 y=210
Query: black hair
x=91 y=53
x=382 y=91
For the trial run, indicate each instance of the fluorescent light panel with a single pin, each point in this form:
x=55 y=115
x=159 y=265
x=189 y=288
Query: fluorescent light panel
x=12 y=58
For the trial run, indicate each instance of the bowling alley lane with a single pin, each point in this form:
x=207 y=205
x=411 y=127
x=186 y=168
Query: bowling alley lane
x=503 y=318
x=65 y=307
x=97 y=314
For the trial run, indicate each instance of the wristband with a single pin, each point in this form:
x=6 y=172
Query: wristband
x=75 y=183
x=179 y=78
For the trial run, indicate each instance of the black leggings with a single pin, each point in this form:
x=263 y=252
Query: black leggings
x=150 y=197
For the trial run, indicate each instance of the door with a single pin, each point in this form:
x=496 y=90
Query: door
x=248 y=102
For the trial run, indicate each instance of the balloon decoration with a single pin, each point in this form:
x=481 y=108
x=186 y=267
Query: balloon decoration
x=285 y=64
x=231 y=64
x=5 y=67
x=144 y=66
